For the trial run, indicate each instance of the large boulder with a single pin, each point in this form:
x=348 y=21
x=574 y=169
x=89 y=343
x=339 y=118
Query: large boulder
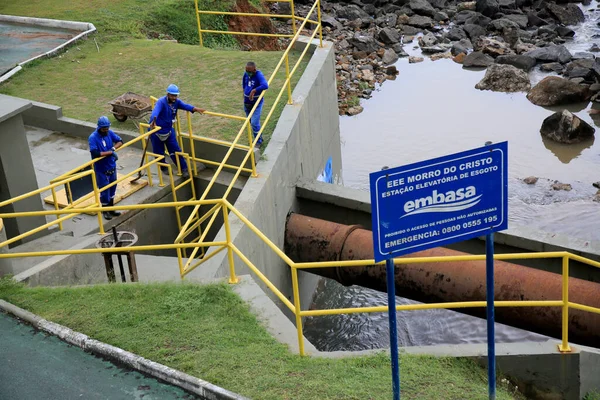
x=504 y=78
x=474 y=31
x=421 y=7
x=534 y=20
x=420 y=21
x=389 y=36
x=456 y=33
x=352 y=12
x=441 y=4
x=428 y=40
x=462 y=17
x=479 y=19
x=566 y=15
x=556 y=91
x=525 y=63
x=489 y=8
x=519 y=19
x=492 y=47
x=362 y=42
x=501 y=24
x=551 y=53
x=580 y=69
x=477 y=60
x=389 y=57
x=462 y=46
x=328 y=20
x=564 y=127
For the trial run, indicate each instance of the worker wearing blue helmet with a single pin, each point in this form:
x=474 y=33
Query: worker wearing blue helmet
x=104 y=143
x=253 y=84
x=163 y=115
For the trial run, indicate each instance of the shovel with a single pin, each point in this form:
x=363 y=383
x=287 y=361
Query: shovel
x=140 y=174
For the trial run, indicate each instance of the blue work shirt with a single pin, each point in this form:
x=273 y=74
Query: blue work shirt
x=256 y=81
x=99 y=143
x=165 y=113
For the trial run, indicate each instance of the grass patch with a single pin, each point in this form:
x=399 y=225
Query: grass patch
x=208 y=332
x=83 y=81
x=120 y=19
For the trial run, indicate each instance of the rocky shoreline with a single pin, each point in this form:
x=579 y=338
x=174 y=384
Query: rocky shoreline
x=508 y=37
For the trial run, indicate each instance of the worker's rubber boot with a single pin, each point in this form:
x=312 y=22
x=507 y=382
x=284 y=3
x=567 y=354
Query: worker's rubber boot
x=106 y=215
x=113 y=213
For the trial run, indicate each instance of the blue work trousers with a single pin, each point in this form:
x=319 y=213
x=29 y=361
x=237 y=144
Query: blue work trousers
x=103 y=179
x=158 y=147
x=255 y=120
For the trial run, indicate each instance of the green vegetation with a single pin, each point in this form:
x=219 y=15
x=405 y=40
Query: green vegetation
x=125 y=19
x=85 y=79
x=207 y=331
x=593 y=395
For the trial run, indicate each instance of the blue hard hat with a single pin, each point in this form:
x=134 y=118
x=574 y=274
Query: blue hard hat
x=173 y=89
x=103 y=122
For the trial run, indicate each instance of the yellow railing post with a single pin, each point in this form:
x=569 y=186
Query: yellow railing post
x=252 y=159
x=320 y=24
x=145 y=145
x=56 y=207
x=293 y=16
x=232 y=277
x=297 y=309
x=198 y=20
x=289 y=79
x=564 y=346
x=97 y=196
x=192 y=147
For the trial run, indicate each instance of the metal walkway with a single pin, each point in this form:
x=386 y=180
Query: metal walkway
x=34 y=365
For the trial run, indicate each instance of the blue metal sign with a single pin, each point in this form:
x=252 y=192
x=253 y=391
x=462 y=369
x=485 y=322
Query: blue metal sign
x=439 y=201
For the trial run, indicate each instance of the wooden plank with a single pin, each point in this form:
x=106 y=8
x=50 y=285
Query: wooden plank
x=124 y=190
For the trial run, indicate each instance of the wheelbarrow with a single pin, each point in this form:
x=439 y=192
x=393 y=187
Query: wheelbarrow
x=130 y=105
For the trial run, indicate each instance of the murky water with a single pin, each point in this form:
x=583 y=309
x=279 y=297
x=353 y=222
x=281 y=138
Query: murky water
x=432 y=109
x=19 y=43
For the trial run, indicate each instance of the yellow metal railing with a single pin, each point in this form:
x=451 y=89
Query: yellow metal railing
x=76 y=207
x=224 y=207
x=291 y=16
x=295 y=307
x=246 y=129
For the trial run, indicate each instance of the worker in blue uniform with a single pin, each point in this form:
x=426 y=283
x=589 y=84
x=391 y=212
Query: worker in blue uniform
x=163 y=115
x=104 y=143
x=253 y=84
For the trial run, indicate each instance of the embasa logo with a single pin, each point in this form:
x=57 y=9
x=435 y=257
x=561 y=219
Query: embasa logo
x=452 y=200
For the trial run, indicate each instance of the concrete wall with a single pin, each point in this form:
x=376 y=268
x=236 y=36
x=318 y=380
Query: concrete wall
x=350 y=206
x=78 y=269
x=17 y=174
x=5 y=263
x=538 y=369
x=306 y=135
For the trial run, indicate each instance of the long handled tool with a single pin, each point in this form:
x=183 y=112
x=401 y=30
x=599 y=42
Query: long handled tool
x=141 y=163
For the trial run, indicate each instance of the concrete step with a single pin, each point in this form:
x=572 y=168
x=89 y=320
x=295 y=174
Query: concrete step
x=58 y=240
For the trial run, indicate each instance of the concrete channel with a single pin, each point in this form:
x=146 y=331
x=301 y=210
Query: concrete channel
x=306 y=136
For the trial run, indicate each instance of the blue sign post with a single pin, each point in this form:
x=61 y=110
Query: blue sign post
x=434 y=203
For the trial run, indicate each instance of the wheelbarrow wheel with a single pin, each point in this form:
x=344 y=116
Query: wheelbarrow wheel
x=120 y=117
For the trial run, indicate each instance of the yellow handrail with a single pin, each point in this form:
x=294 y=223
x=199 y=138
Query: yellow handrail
x=194 y=221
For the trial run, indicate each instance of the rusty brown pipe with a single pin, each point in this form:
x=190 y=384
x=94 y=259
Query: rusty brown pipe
x=312 y=240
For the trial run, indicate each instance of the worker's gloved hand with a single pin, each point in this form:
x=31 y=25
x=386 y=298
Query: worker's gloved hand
x=115 y=155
